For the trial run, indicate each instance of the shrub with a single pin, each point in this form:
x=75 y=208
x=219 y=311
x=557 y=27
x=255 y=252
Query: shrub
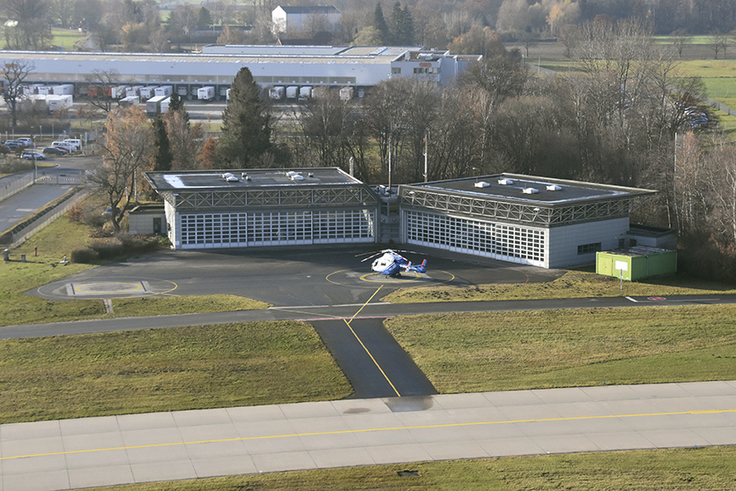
x=76 y=213
x=136 y=244
x=107 y=248
x=85 y=255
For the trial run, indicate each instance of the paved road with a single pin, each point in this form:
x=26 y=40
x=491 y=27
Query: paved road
x=128 y=449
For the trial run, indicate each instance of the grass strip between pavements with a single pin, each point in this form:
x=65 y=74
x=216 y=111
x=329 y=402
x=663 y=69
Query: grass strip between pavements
x=172 y=369
x=711 y=468
x=573 y=284
x=470 y=352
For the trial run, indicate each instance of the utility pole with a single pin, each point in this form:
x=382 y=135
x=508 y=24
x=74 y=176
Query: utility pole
x=425 y=157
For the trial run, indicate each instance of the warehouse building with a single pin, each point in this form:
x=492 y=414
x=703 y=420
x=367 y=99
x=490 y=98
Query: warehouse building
x=551 y=223
x=269 y=207
x=357 y=67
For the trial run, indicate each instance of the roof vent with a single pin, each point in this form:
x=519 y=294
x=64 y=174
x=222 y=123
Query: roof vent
x=553 y=187
x=530 y=190
x=482 y=184
x=505 y=182
x=311 y=174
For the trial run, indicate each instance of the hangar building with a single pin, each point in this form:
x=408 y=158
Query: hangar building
x=269 y=207
x=551 y=223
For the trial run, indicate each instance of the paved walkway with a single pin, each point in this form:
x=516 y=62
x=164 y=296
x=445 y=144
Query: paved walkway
x=127 y=449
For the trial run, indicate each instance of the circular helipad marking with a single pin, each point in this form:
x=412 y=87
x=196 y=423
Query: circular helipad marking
x=347 y=277
x=657 y=298
x=382 y=278
x=107 y=288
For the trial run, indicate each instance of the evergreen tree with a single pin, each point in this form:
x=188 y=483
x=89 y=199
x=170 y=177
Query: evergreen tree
x=246 y=123
x=177 y=104
x=380 y=24
x=402 y=26
x=162 y=157
x=407 y=26
x=204 y=19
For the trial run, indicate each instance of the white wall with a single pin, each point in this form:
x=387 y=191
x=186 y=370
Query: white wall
x=564 y=241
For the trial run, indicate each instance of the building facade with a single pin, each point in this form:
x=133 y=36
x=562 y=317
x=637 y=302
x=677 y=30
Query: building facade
x=358 y=67
x=293 y=19
x=551 y=223
x=269 y=207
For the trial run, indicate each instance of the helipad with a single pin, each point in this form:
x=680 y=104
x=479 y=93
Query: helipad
x=127 y=287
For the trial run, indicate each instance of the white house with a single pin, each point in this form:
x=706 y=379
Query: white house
x=315 y=18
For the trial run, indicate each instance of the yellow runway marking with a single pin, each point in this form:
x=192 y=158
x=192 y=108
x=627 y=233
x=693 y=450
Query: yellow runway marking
x=364 y=346
x=368 y=430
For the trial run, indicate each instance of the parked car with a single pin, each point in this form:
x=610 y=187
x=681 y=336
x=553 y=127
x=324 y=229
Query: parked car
x=33 y=156
x=54 y=151
x=14 y=144
x=64 y=150
x=27 y=142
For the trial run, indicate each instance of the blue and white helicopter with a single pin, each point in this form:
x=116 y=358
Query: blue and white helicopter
x=391 y=263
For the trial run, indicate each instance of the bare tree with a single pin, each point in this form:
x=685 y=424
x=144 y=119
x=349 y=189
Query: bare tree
x=327 y=124
x=14 y=73
x=100 y=90
x=717 y=42
x=27 y=27
x=680 y=39
x=128 y=148
x=721 y=190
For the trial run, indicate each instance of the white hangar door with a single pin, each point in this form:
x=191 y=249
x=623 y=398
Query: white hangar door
x=266 y=228
x=506 y=242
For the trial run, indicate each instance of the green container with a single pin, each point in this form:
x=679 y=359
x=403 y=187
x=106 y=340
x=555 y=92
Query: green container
x=636 y=263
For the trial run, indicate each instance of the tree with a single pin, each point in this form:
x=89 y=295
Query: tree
x=478 y=40
x=207 y=157
x=184 y=138
x=127 y=148
x=379 y=22
x=368 y=36
x=717 y=42
x=100 y=90
x=680 y=39
x=204 y=19
x=246 y=123
x=162 y=147
x=231 y=35
x=27 y=27
x=402 y=26
x=14 y=73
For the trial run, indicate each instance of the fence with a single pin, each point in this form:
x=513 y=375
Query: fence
x=720 y=106
x=14 y=184
x=21 y=232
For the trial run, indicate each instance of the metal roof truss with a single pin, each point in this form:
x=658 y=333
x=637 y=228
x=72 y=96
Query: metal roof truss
x=516 y=212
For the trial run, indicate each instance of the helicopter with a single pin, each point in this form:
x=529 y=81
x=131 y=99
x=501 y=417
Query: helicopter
x=391 y=263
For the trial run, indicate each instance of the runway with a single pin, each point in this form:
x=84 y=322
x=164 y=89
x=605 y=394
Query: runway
x=115 y=450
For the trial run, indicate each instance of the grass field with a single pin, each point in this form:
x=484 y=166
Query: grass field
x=165 y=370
x=472 y=352
x=66 y=38
x=574 y=284
x=675 y=470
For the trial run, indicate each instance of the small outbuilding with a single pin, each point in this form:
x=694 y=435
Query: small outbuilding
x=636 y=263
